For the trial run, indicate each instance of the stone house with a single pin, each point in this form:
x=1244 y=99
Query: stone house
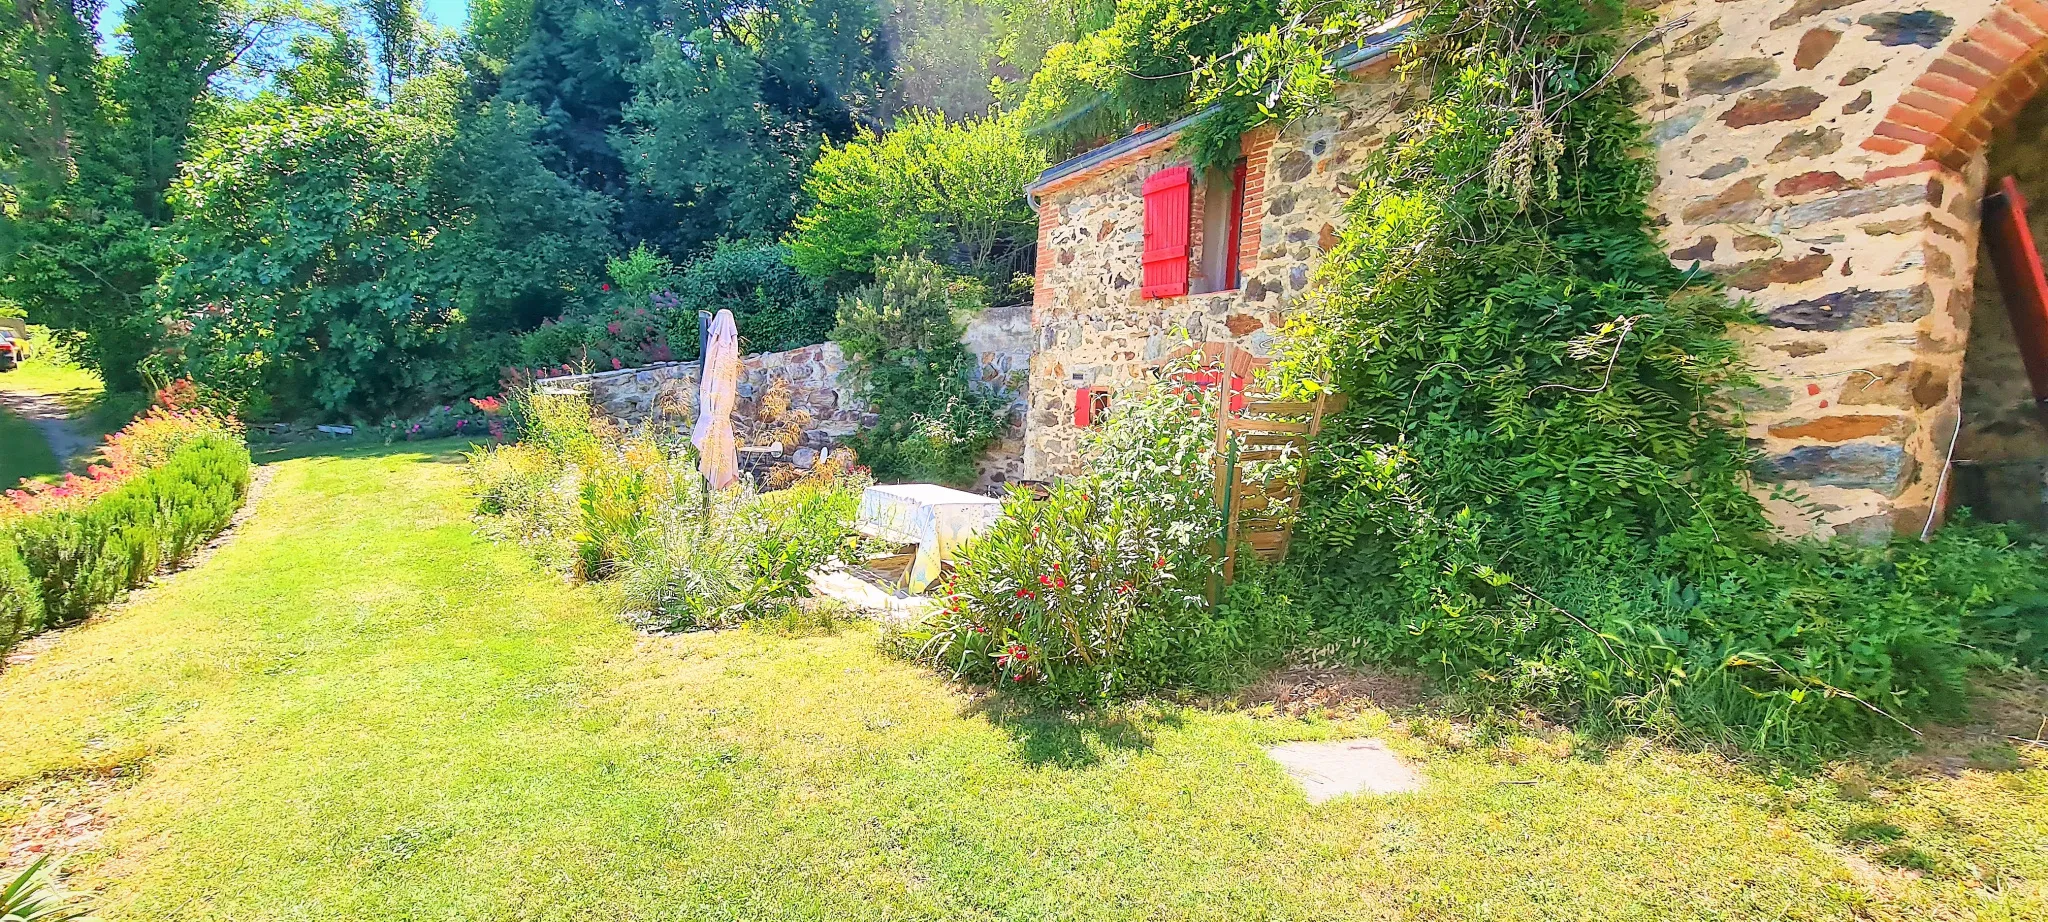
x=1828 y=159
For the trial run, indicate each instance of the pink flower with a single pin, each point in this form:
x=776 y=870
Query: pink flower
x=612 y=328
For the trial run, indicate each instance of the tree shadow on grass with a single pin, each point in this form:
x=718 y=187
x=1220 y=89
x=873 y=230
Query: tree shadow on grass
x=433 y=451
x=1073 y=737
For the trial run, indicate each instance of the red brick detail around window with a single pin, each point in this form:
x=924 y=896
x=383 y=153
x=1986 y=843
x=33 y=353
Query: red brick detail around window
x=1976 y=85
x=1256 y=144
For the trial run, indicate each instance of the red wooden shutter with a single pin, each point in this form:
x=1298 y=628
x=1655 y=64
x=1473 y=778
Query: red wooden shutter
x=1167 y=199
x=2019 y=279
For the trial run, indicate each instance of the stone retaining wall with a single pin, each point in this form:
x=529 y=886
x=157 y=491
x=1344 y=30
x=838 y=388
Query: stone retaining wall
x=665 y=394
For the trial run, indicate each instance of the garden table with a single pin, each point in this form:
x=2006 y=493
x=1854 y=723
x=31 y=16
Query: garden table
x=936 y=519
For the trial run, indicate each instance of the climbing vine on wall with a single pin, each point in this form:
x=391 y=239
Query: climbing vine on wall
x=1540 y=490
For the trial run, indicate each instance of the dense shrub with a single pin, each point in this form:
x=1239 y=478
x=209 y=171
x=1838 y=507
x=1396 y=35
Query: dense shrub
x=1541 y=491
x=159 y=490
x=307 y=273
x=952 y=193
x=1101 y=586
x=901 y=336
x=86 y=557
x=21 y=597
x=777 y=307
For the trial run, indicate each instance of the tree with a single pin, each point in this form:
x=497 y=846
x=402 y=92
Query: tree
x=514 y=233
x=399 y=37
x=308 y=270
x=329 y=65
x=1141 y=67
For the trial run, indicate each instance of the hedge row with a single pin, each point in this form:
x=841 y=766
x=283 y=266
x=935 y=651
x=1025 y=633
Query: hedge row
x=59 y=565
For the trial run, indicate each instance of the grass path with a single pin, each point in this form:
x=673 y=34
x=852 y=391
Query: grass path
x=357 y=709
x=52 y=411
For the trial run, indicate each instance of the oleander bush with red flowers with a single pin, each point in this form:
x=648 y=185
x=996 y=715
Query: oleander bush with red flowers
x=1101 y=586
x=157 y=490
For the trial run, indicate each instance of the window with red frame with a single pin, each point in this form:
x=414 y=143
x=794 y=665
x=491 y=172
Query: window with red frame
x=1222 y=228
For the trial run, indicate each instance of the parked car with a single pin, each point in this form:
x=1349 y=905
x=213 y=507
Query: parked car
x=13 y=345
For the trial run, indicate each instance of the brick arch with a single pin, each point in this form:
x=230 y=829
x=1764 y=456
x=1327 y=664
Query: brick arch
x=1971 y=89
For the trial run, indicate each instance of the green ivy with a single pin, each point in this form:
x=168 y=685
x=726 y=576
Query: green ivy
x=1540 y=491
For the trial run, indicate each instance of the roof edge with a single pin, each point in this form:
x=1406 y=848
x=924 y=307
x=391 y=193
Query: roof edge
x=1348 y=61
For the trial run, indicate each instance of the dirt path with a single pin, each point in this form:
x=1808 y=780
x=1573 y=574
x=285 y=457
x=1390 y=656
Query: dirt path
x=52 y=419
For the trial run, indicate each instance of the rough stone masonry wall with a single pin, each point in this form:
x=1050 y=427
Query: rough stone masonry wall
x=1092 y=327
x=666 y=393
x=1824 y=158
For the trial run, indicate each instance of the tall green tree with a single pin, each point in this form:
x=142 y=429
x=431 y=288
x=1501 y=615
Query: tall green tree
x=307 y=265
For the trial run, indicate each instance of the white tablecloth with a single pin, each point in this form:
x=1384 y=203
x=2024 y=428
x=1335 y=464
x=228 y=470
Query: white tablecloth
x=937 y=519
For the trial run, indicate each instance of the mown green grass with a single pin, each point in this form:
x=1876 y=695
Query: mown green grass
x=358 y=709
x=23 y=451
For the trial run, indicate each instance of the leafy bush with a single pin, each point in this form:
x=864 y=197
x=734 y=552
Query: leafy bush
x=951 y=193
x=21 y=598
x=625 y=323
x=777 y=307
x=901 y=336
x=306 y=271
x=1100 y=587
x=477 y=417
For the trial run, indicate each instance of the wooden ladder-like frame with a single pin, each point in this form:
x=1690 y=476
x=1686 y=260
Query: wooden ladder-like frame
x=1259 y=513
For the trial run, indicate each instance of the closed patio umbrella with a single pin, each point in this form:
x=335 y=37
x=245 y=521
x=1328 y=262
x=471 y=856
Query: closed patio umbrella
x=718 y=455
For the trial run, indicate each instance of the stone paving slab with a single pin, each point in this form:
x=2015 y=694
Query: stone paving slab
x=1333 y=769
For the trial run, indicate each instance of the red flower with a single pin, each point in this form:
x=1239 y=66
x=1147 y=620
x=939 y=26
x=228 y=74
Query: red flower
x=605 y=287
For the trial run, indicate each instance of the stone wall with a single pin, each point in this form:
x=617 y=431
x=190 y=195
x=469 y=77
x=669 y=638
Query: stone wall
x=1784 y=169
x=665 y=394
x=1822 y=157
x=1092 y=327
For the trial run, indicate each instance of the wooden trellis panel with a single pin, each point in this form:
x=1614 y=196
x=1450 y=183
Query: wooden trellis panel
x=1259 y=498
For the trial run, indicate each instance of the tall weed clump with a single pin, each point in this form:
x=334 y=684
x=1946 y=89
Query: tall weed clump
x=1541 y=491
x=631 y=508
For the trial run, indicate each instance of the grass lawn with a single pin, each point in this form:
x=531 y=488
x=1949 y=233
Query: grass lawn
x=23 y=451
x=357 y=709
x=51 y=371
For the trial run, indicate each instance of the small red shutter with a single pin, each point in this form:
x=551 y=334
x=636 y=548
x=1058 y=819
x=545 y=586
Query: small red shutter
x=2020 y=281
x=1167 y=198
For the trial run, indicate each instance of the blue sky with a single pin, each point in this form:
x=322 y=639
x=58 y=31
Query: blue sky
x=450 y=13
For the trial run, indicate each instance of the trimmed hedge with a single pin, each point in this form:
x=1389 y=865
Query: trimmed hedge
x=58 y=566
